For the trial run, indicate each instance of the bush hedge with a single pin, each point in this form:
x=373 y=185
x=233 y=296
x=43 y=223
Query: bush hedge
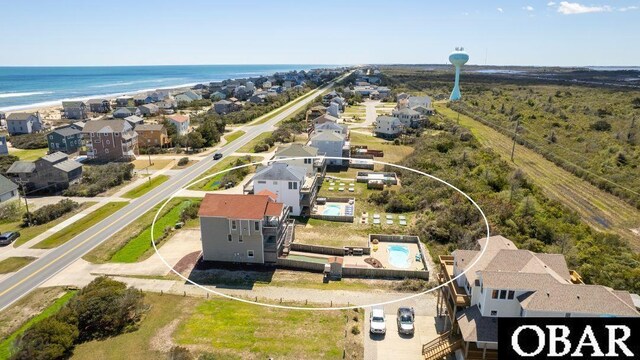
x=99 y=178
x=29 y=141
x=50 y=212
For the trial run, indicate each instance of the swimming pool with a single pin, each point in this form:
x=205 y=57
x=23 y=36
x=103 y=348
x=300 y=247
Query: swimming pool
x=333 y=210
x=398 y=256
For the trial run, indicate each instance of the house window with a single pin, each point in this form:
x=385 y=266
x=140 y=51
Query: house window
x=511 y=294
x=307 y=161
x=240 y=238
x=503 y=294
x=233 y=225
x=250 y=253
x=51 y=137
x=229 y=237
x=494 y=312
x=494 y=294
x=293 y=185
x=257 y=225
x=479 y=306
x=262 y=182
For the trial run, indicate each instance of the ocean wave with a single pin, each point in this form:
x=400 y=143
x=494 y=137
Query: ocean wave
x=22 y=94
x=124 y=83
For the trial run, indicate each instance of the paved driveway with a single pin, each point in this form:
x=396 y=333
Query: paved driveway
x=400 y=347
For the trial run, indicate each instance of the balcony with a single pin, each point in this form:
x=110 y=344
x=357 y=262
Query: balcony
x=458 y=294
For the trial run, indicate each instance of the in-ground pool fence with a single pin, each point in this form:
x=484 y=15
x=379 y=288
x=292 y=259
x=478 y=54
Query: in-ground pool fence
x=402 y=239
x=330 y=250
x=300 y=265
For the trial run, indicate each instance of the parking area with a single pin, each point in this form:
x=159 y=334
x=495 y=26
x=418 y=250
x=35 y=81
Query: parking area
x=395 y=346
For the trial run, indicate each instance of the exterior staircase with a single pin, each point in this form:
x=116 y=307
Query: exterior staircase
x=440 y=347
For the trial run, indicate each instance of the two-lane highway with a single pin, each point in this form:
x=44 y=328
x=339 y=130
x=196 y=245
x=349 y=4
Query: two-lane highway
x=54 y=261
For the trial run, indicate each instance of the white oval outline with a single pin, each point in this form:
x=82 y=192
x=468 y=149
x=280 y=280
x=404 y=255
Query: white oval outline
x=231 y=297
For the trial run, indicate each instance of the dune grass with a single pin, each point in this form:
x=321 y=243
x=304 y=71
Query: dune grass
x=78 y=227
x=146 y=187
x=29 y=154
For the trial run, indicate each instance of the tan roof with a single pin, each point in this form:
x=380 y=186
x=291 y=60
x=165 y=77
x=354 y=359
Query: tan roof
x=115 y=125
x=254 y=207
x=149 y=127
x=179 y=118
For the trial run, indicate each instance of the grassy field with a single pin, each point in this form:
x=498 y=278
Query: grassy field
x=136 y=248
x=28 y=233
x=7 y=344
x=213 y=183
x=598 y=208
x=29 y=154
x=146 y=187
x=248 y=147
x=230 y=330
x=156 y=164
x=76 y=228
x=392 y=153
x=13 y=264
x=234 y=135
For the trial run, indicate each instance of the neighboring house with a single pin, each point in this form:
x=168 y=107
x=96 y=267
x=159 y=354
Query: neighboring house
x=181 y=122
x=284 y=180
x=125 y=101
x=182 y=98
x=110 y=140
x=8 y=190
x=167 y=105
x=141 y=99
x=308 y=158
x=50 y=173
x=76 y=110
x=414 y=101
x=324 y=118
x=66 y=139
x=78 y=125
x=160 y=95
x=408 y=117
x=388 y=127
x=225 y=107
x=331 y=144
x=316 y=112
x=99 y=105
x=499 y=280
x=2 y=115
x=152 y=135
x=134 y=120
x=124 y=112
x=149 y=109
x=258 y=98
x=24 y=123
x=332 y=127
x=334 y=110
x=4 y=148
x=266 y=85
x=244 y=228
x=218 y=95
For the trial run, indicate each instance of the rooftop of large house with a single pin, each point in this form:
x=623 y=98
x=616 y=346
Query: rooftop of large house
x=149 y=127
x=178 y=118
x=325 y=118
x=250 y=207
x=66 y=131
x=280 y=171
x=20 y=115
x=296 y=150
x=115 y=125
x=7 y=185
x=328 y=136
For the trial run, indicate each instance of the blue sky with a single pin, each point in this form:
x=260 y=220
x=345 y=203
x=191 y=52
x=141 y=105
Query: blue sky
x=136 y=32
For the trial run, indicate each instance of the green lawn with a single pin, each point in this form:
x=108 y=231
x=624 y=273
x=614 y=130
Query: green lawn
x=14 y=264
x=76 y=228
x=235 y=330
x=248 y=147
x=29 y=154
x=233 y=136
x=7 y=344
x=136 y=248
x=213 y=183
x=28 y=233
x=146 y=187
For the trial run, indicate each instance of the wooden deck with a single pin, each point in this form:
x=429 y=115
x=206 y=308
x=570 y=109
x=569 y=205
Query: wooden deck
x=442 y=346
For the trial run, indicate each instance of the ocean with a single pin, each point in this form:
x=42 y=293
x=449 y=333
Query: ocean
x=28 y=87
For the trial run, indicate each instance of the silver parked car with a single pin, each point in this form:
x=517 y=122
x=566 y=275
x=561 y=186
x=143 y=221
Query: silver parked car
x=406 y=318
x=377 y=321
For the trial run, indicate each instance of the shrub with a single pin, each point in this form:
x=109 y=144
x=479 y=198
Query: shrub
x=105 y=308
x=355 y=330
x=179 y=353
x=50 y=212
x=51 y=338
x=183 y=161
x=99 y=178
x=6 y=161
x=29 y=141
x=261 y=147
x=190 y=212
x=10 y=211
x=601 y=125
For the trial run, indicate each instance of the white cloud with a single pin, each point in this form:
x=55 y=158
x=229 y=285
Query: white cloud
x=500 y=10
x=551 y=3
x=528 y=8
x=568 y=8
x=628 y=8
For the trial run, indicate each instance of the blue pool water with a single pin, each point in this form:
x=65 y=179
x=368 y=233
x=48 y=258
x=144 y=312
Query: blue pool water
x=333 y=210
x=399 y=256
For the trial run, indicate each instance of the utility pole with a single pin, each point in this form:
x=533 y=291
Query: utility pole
x=26 y=203
x=515 y=136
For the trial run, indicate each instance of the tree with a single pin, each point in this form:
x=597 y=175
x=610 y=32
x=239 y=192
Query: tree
x=601 y=125
x=195 y=140
x=51 y=338
x=636 y=103
x=6 y=161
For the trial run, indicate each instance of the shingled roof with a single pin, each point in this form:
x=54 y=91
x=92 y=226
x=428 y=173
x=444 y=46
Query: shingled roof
x=231 y=206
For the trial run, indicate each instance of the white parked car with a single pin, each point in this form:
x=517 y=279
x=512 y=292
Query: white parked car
x=377 y=321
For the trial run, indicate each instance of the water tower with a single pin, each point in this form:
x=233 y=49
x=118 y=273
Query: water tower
x=458 y=58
